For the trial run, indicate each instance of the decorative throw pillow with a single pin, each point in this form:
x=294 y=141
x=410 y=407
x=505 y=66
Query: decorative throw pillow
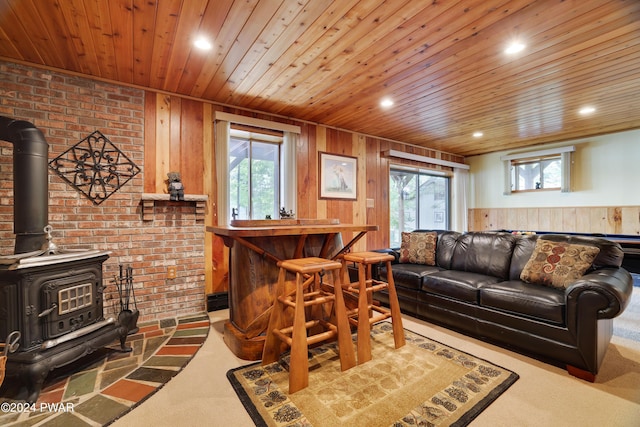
x=419 y=247
x=558 y=264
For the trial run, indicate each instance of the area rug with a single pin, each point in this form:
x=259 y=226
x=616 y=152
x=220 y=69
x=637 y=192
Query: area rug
x=422 y=383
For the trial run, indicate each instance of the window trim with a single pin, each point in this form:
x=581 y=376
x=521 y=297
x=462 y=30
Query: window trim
x=534 y=161
x=565 y=166
x=430 y=172
x=257 y=137
x=222 y=126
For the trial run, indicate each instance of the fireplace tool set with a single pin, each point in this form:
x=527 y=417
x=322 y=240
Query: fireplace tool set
x=127 y=317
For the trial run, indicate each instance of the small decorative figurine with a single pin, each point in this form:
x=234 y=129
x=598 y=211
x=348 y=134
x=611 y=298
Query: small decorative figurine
x=176 y=188
x=286 y=215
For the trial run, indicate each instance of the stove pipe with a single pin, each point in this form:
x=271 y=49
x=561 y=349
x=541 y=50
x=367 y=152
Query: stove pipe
x=30 y=183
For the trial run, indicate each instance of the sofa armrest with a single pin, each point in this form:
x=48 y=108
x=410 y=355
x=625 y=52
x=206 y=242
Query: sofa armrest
x=614 y=285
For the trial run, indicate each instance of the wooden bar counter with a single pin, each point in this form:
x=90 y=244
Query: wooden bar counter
x=255 y=249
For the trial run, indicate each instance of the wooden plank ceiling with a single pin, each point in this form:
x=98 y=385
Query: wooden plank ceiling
x=331 y=62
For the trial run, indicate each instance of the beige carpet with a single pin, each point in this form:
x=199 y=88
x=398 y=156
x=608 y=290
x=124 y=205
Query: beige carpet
x=421 y=383
x=543 y=396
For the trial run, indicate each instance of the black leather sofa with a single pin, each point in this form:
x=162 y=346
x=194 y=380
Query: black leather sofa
x=475 y=288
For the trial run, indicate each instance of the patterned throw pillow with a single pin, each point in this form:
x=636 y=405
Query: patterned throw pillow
x=558 y=264
x=419 y=247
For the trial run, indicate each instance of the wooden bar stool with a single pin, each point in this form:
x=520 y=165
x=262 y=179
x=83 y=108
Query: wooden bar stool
x=368 y=313
x=308 y=294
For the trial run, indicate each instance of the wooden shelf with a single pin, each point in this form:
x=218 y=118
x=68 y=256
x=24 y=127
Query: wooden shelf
x=149 y=200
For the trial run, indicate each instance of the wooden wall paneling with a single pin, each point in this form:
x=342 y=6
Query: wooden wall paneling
x=192 y=146
x=532 y=219
x=476 y=218
x=598 y=219
x=583 y=220
x=216 y=253
x=382 y=199
x=344 y=209
x=496 y=218
x=544 y=219
x=305 y=140
x=175 y=132
x=568 y=219
x=521 y=218
x=614 y=217
x=512 y=219
x=472 y=220
x=306 y=173
x=163 y=141
x=630 y=220
x=331 y=146
x=373 y=177
x=321 y=145
x=360 y=205
x=219 y=252
x=208 y=172
x=489 y=220
x=150 y=159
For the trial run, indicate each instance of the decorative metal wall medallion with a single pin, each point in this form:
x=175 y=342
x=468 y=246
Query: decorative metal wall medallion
x=95 y=167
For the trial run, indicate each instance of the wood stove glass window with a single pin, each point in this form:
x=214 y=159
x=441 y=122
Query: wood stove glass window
x=75 y=298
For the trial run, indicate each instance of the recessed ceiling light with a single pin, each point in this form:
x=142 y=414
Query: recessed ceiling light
x=478 y=134
x=386 y=103
x=585 y=111
x=202 y=43
x=514 y=47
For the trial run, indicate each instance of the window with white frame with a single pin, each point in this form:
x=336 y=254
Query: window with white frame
x=536 y=174
x=254 y=173
x=255 y=167
x=548 y=169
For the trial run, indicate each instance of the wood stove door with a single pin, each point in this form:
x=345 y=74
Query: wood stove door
x=70 y=304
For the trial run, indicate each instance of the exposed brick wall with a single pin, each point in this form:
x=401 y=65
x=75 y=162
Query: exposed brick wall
x=67 y=109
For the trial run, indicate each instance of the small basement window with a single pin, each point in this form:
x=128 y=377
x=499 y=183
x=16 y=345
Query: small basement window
x=536 y=174
x=540 y=170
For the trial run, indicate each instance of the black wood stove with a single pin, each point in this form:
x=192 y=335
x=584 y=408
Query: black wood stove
x=51 y=300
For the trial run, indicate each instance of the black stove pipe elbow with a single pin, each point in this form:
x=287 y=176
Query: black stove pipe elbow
x=30 y=183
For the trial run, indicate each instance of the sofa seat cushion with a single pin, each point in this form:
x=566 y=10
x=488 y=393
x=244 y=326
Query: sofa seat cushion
x=461 y=285
x=408 y=275
x=525 y=299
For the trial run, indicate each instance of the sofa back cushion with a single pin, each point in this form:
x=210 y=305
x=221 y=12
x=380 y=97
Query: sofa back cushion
x=522 y=251
x=610 y=254
x=484 y=253
x=447 y=241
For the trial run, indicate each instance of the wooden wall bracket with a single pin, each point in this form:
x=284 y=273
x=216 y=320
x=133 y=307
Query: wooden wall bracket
x=149 y=200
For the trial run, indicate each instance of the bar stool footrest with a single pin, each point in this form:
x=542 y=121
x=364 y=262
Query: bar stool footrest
x=331 y=331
